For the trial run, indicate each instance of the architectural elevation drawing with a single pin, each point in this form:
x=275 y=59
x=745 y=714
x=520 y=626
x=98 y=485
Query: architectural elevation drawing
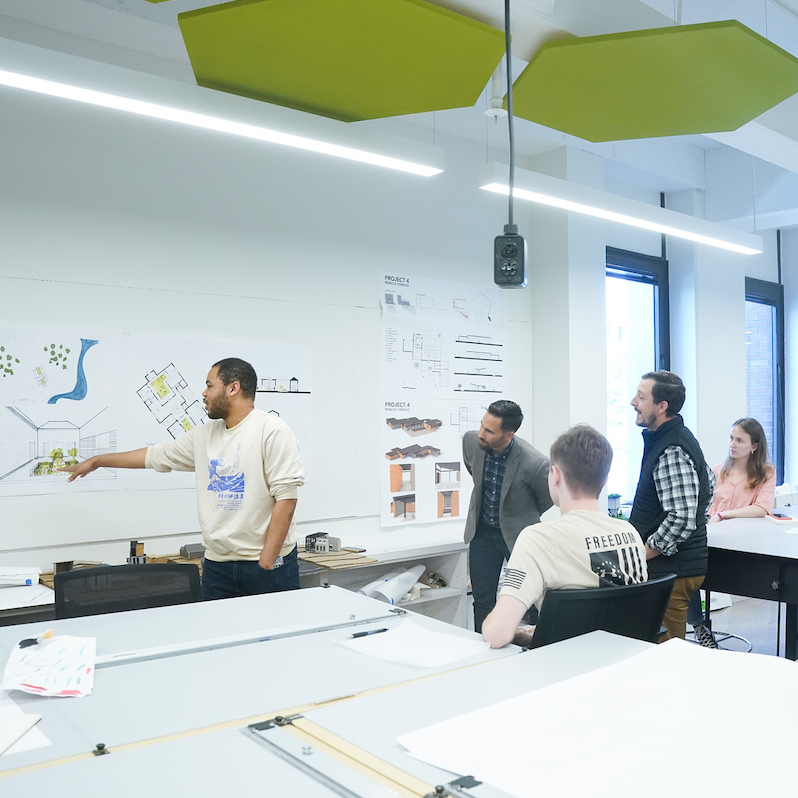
x=168 y=396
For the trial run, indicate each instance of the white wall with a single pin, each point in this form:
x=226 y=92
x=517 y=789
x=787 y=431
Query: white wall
x=134 y=225
x=137 y=226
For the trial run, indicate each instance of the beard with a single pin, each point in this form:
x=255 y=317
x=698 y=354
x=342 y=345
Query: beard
x=645 y=421
x=219 y=408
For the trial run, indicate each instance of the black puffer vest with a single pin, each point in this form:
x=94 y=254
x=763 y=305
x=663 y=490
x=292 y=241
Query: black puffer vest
x=647 y=513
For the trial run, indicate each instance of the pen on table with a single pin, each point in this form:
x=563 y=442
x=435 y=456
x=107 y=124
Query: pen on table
x=32 y=641
x=364 y=634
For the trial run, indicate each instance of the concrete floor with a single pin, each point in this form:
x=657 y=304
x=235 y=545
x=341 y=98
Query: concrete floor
x=754 y=619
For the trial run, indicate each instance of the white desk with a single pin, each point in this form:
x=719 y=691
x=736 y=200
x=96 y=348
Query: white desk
x=755 y=557
x=298 y=665
x=412 y=706
x=236 y=762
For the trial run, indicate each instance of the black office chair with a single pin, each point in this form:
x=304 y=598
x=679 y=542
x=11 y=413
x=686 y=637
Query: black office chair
x=629 y=610
x=117 y=588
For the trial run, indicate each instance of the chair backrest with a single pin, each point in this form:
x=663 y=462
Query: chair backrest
x=116 y=588
x=628 y=610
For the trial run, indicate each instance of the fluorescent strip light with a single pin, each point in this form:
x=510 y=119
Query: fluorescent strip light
x=167 y=113
x=552 y=191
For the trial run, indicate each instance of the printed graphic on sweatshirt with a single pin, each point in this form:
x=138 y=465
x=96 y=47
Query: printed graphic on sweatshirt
x=227 y=482
x=620 y=566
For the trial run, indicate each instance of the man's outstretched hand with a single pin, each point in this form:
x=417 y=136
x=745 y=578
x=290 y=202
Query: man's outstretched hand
x=81 y=469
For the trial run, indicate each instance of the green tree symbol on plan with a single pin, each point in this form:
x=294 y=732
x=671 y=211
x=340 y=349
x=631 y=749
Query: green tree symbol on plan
x=7 y=362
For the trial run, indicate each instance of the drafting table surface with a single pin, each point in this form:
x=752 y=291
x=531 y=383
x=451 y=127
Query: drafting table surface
x=292 y=611
x=143 y=700
x=219 y=763
x=373 y=722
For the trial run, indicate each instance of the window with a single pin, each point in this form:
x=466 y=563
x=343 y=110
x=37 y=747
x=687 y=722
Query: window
x=764 y=356
x=638 y=340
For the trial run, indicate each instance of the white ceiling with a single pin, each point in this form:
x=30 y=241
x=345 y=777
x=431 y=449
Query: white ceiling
x=144 y=36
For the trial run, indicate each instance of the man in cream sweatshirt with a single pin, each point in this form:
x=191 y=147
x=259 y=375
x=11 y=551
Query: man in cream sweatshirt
x=247 y=470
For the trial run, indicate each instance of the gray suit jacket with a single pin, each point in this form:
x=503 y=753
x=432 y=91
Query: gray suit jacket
x=525 y=488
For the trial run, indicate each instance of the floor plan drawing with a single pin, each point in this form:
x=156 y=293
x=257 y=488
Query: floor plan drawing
x=468 y=417
x=426 y=353
x=169 y=398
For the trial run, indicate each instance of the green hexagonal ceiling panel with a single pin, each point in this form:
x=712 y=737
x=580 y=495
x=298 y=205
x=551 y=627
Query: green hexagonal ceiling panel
x=346 y=59
x=703 y=78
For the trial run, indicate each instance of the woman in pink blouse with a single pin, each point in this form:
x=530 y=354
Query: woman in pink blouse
x=745 y=488
x=746 y=483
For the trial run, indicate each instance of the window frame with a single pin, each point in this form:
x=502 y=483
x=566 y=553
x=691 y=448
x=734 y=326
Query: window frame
x=636 y=267
x=772 y=294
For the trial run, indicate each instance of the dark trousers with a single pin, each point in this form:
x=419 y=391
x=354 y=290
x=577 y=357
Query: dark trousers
x=247 y=578
x=486 y=555
x=694 y=614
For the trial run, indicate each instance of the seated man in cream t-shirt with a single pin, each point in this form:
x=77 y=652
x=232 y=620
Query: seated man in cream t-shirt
x=582 y=548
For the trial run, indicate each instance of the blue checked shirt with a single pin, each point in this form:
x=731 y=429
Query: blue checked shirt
x=492 y=478
x=676 y=483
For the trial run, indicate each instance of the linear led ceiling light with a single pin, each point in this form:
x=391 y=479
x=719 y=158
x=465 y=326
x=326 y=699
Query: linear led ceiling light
x=552 y=191
x=155 y=111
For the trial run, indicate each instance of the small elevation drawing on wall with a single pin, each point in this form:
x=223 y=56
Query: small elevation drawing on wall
x=448 y=503
x=168 y=397
x=32 y=452
x=279 y=385
x=404 y=507
x=478 y=363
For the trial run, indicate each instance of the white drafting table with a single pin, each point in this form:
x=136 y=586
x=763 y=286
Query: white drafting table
x=757 y=558
x=236 y=762
x=149 y=698
x=373 y=722
x=218 y=763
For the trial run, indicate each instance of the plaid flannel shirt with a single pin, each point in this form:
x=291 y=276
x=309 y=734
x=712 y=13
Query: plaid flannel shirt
x=676 y=483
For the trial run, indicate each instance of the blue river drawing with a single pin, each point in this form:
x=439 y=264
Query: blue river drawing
x=81 y=387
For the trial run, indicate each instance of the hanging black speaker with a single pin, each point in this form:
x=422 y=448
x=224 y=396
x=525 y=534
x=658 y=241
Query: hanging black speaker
x=509 y=261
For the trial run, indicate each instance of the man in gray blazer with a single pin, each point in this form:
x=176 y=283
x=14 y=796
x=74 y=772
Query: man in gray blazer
x=510 y=492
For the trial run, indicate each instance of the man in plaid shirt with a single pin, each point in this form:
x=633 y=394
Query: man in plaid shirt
x=673 y=494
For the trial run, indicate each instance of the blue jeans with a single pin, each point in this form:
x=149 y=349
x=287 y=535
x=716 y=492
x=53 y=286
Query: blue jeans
x=486 y=555
x=247 y=578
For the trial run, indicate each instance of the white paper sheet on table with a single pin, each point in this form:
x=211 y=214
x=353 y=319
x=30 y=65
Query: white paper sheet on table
x=14 y=727
x=12 y=722
x=59 y=666
x=410 y=643
x=25 y=596
x=604 y=733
